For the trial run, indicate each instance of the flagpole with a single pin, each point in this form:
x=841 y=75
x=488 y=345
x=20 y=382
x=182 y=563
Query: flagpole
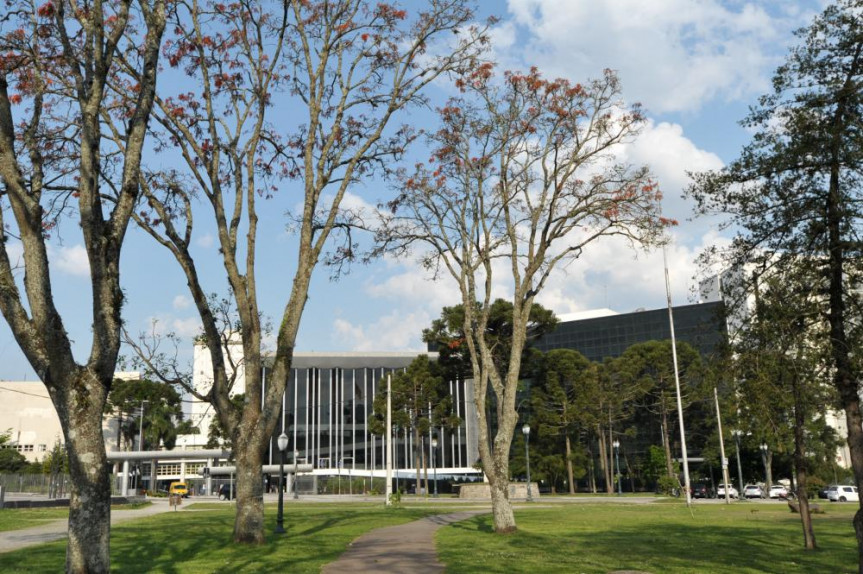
x=686 y=485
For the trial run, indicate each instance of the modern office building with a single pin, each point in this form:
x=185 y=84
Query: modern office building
x=604 y=333
x=326 y=411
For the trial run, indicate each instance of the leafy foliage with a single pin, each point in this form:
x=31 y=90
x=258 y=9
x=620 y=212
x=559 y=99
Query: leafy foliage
x=162 y=412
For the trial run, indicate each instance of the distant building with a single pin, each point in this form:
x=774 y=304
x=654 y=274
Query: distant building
x=27 y=413
x=601 y=334
x=326 y=408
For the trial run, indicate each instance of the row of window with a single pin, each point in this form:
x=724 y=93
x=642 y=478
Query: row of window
x=26 y=447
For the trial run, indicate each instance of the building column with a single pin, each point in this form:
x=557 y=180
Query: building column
x=124 y=491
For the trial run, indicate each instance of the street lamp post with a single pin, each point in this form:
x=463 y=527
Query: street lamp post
x=396 y=456
x=282 y=441
x=434 y=463
x=616 y=445
x=526 y=430
x=296 y=474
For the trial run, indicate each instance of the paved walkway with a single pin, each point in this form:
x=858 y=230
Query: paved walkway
x=407 y=548
x=56 y=530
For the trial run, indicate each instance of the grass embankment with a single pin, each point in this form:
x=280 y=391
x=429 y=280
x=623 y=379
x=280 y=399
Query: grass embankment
x=666 y=538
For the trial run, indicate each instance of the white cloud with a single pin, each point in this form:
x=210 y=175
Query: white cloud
x=670 y=155
x=69 y=260
x=673 y=55
x=181 y=302
x=397 y=331
x=186 y=327
x=161 y=325
x=206 y=241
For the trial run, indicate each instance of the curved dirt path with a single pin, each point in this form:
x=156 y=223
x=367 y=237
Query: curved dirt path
x=406 y=548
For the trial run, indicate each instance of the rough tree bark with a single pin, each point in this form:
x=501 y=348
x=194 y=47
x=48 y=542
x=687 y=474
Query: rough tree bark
x=73 y=67
x=339 y=72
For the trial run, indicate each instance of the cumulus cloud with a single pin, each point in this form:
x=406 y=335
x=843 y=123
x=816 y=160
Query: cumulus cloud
x=163 y=324
x=396 y=331
x=181 y=302
x=69 y=260
x=673 y=55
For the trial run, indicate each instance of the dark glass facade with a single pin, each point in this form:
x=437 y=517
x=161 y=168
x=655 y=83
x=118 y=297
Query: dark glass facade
x=701 y=325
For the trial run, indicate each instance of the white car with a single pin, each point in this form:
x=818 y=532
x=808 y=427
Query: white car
x=778 y=491
x=752 y=491
x=843 y=494
x=720 y=491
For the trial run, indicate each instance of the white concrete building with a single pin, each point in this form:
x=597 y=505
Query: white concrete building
x=27 y=413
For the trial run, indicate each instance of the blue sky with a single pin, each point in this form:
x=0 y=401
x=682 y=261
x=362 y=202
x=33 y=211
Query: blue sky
x=695 y=65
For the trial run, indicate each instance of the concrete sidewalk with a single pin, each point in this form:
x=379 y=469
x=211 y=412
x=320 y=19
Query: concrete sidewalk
x=57 y=529
x=407 y=548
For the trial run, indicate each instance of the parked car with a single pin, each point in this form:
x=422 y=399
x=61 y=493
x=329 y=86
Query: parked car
x=702 y=491
x=844 y=494
x=179 y=488
x=822 y=493
x=226 y=492
x=831 y=491
x=732 y=492
x=778 y=491
x=753 y=491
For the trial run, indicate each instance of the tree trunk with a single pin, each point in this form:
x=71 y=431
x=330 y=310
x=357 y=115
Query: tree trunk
x=603 y=462
x=80 y=411
x=767 y=459
x=569 y=465
x=800 y=461
x=845 y=375
x=249 y=522
x=666 y=442
x=417 y=453
x=504 y=519
x=800 y=464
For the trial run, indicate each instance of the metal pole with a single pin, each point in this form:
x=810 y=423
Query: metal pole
x=434 y=463
x=389 y=443
x=141 y=428
x=526 y=430
x=739 y=467
x=725 y=478
x=617 y=458
x=280 y=528
x=296 y=475
x=686 y=486
x=282 y=442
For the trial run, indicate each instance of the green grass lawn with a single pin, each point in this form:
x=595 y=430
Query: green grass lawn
x=18 y=518
x=572 y=538
x=741 y=538
x=199 y=540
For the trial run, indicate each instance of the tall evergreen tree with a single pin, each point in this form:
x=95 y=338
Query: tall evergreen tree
x=794 y=193
x=563 y=401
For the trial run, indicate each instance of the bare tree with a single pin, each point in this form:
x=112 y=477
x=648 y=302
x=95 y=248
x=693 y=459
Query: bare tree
x=57 y=61
x=522 y=178
x=344 y=69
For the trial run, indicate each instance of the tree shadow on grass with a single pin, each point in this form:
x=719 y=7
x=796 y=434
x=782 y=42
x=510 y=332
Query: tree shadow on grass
x=750 y=544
